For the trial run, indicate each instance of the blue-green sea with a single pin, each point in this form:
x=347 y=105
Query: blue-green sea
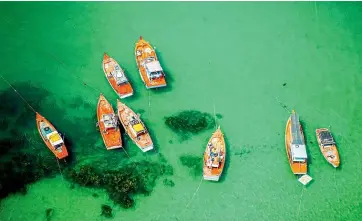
x=249 y=63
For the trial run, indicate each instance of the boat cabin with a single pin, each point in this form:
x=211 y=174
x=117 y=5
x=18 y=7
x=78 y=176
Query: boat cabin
x=109 y=121
x=118 y=75
x=55 y=139
x=51 y=135
x=154 y=69
x=138 y=52
x=326 y=138
x=215 y=156
x=137 y=127
x=298 y=148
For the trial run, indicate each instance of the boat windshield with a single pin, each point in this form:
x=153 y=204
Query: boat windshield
x=58 y=145
x=109 y=121
x=156 y=74
x=119 y=75
x=297 y=159
x=154 y=69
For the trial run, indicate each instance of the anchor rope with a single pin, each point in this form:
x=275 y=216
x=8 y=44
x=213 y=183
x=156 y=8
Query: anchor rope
x=215 y=115
x=193 y=196
x=68 y=69
x=60 y=170
x=282 y=105
x=300 y=201
x=18 y=94
x=28 y=139
x=84 y=83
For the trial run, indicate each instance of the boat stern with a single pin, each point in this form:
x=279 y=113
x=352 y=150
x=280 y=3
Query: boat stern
x=299 y=168
x=122 y=96
x=61 y=153
x=211 y=177
x=147 y=148
x=156 y=86
x=114 y=147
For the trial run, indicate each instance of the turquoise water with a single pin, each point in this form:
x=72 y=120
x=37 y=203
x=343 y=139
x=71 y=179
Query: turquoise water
x=231 y=56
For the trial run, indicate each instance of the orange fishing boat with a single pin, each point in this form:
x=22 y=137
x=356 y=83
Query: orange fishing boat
x=51 y=137
x=148 y=65
x=214 y=156
x=108 y=124
x=295 y=145
x=134 y=127
x=328 y=147
x=116 y=77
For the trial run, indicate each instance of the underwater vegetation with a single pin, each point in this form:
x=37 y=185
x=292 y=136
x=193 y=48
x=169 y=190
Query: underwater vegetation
x=189 y=122
x=168 y=182
x=48 y=214
x=7 y=143
x=193 y=163
x=218 y=116
x=122 y=184
x=22 y=169
x=106 y=211
x=21 y=163
x=25 y=159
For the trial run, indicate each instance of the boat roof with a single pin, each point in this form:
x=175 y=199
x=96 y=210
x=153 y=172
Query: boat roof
x=138 y=127
x=119 y=75
x=326 y=138
x=297 y=137
x=108 y=120
x=54 y=138
x=299 y=151
x=154 y=66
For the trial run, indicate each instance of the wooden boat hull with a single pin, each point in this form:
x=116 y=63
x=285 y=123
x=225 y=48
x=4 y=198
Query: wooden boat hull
x=123 y=90
x=326 y=152
x=147 y=51
x=111 y=136
x=143 y=141
x=60 y=152
x=296 y=167
x=214 y=174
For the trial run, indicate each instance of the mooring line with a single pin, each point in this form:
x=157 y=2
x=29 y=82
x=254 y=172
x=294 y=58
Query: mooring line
x=316 y=15
x=60 y=170
x=215 y=115
x=282 y=105
x=28 y=139
x=126 y=152
x=193 y=196
x=18 y=94
x=300 y=201
x=68 y=69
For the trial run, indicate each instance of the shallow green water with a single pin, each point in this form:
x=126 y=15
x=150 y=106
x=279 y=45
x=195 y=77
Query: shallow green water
x=234 y=56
